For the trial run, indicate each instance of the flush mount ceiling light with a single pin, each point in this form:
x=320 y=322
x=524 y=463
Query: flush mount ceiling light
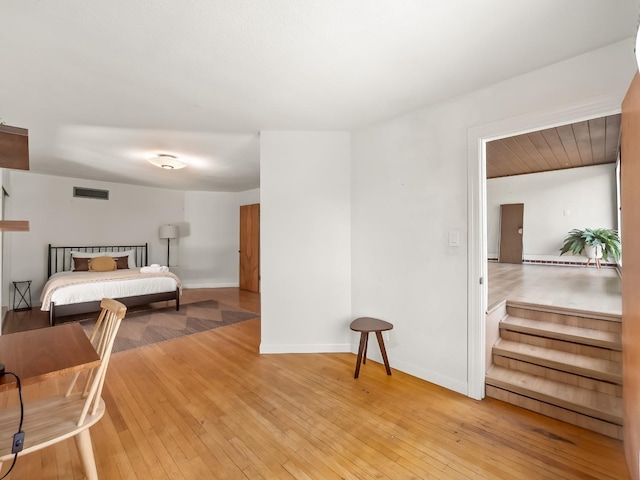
x=169 y=162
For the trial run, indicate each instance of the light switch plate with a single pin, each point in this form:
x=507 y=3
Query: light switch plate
x=454 y=238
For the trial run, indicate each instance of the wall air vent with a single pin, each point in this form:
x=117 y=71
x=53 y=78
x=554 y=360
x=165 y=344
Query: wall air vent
x=82 y=192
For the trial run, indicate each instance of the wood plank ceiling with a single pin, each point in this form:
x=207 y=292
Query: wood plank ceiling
x=592 y=142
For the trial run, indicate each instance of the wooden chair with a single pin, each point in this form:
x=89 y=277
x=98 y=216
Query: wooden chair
x=51 y=420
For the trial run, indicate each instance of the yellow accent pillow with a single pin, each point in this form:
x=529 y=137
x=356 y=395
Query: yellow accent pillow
x=102 y=264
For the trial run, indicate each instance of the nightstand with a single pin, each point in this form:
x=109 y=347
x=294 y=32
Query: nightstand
x=22 y=289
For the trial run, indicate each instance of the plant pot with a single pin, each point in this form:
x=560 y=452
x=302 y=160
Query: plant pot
x=593 y=251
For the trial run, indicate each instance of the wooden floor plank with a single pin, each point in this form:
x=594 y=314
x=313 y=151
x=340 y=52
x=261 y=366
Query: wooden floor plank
x=210 y=406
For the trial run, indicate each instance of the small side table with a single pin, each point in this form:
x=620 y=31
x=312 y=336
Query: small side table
x=364 y=325
x=23 y=289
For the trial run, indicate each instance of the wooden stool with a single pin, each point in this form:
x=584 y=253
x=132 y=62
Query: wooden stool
x=364 y=325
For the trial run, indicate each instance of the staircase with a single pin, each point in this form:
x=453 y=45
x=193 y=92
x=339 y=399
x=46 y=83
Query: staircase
x=566 y=364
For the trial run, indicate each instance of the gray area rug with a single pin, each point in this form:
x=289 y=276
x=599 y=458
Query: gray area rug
x=144 y=327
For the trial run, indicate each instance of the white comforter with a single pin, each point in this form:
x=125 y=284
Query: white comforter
x=65 y=288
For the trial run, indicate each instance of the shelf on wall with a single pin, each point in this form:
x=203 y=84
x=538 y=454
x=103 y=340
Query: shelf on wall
x=14 y=225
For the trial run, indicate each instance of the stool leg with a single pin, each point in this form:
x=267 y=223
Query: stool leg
x=363 y=342
x=366 y=346
x=384 y=352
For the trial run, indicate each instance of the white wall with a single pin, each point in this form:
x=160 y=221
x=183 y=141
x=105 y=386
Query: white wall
x=410 y=190
x=305 y=241
x=132 y=215
x=209 y=239
x=554 y=203
x=248 y=197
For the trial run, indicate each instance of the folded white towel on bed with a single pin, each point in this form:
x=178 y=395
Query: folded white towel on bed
x=154 y=268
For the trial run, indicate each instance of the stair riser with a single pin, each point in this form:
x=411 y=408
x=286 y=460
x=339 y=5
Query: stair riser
x=562 y=345
x=560 y=376
x=553 y=411
x=588 y=393
x=539 y=331
x=571 y=320
x=611 y=412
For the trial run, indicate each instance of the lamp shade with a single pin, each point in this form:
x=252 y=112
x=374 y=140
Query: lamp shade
x=166 y=161
x=168 y=231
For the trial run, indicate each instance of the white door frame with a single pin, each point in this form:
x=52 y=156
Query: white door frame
x=477 y=137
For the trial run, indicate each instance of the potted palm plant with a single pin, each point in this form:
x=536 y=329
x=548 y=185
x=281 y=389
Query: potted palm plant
x=593 y=243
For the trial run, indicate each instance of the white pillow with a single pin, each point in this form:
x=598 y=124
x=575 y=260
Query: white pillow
x=124 y=253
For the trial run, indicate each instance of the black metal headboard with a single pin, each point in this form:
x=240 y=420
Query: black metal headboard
x=60 y=257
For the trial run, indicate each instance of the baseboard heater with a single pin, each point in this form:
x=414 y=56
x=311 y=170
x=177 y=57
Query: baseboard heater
x=557 y=262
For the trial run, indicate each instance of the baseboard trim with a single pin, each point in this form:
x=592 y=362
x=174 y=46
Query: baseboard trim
x=306 y=348
x=189 y=284
x=453 y=384
x=429 y=376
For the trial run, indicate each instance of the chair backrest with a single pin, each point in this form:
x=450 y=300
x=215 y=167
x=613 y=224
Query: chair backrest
x=102 y=338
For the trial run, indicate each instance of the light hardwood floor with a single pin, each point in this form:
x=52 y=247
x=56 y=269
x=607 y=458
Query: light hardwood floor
x=570 y=287
x=209 y=406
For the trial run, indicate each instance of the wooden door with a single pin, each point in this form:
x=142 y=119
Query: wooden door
x=630 y=193
x=250 y=247
x=511 y=221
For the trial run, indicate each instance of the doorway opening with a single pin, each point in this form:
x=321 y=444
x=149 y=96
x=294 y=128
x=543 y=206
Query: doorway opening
x=478 y=138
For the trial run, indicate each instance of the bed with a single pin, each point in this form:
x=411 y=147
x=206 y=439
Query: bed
x=73 y=287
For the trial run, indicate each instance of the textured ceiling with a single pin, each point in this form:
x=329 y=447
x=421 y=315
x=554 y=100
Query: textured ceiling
x=580 y=144
x=102 y=84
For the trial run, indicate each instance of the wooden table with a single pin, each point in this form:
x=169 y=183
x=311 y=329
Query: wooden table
x=364 y=325
x=36 y=355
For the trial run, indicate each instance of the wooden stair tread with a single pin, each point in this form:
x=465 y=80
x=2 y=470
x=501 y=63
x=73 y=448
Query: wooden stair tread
x=606 y=316
x=584 y=365
x=577 y=399
x=584 y=336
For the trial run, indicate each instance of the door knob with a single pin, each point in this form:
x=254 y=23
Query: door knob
x=520 y=230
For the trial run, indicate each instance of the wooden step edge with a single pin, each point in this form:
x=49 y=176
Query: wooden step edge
x=501 y=349
x=564 y=336
x=575 y=312
x=557 y=401
x=575 y=379
x=584 y=421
